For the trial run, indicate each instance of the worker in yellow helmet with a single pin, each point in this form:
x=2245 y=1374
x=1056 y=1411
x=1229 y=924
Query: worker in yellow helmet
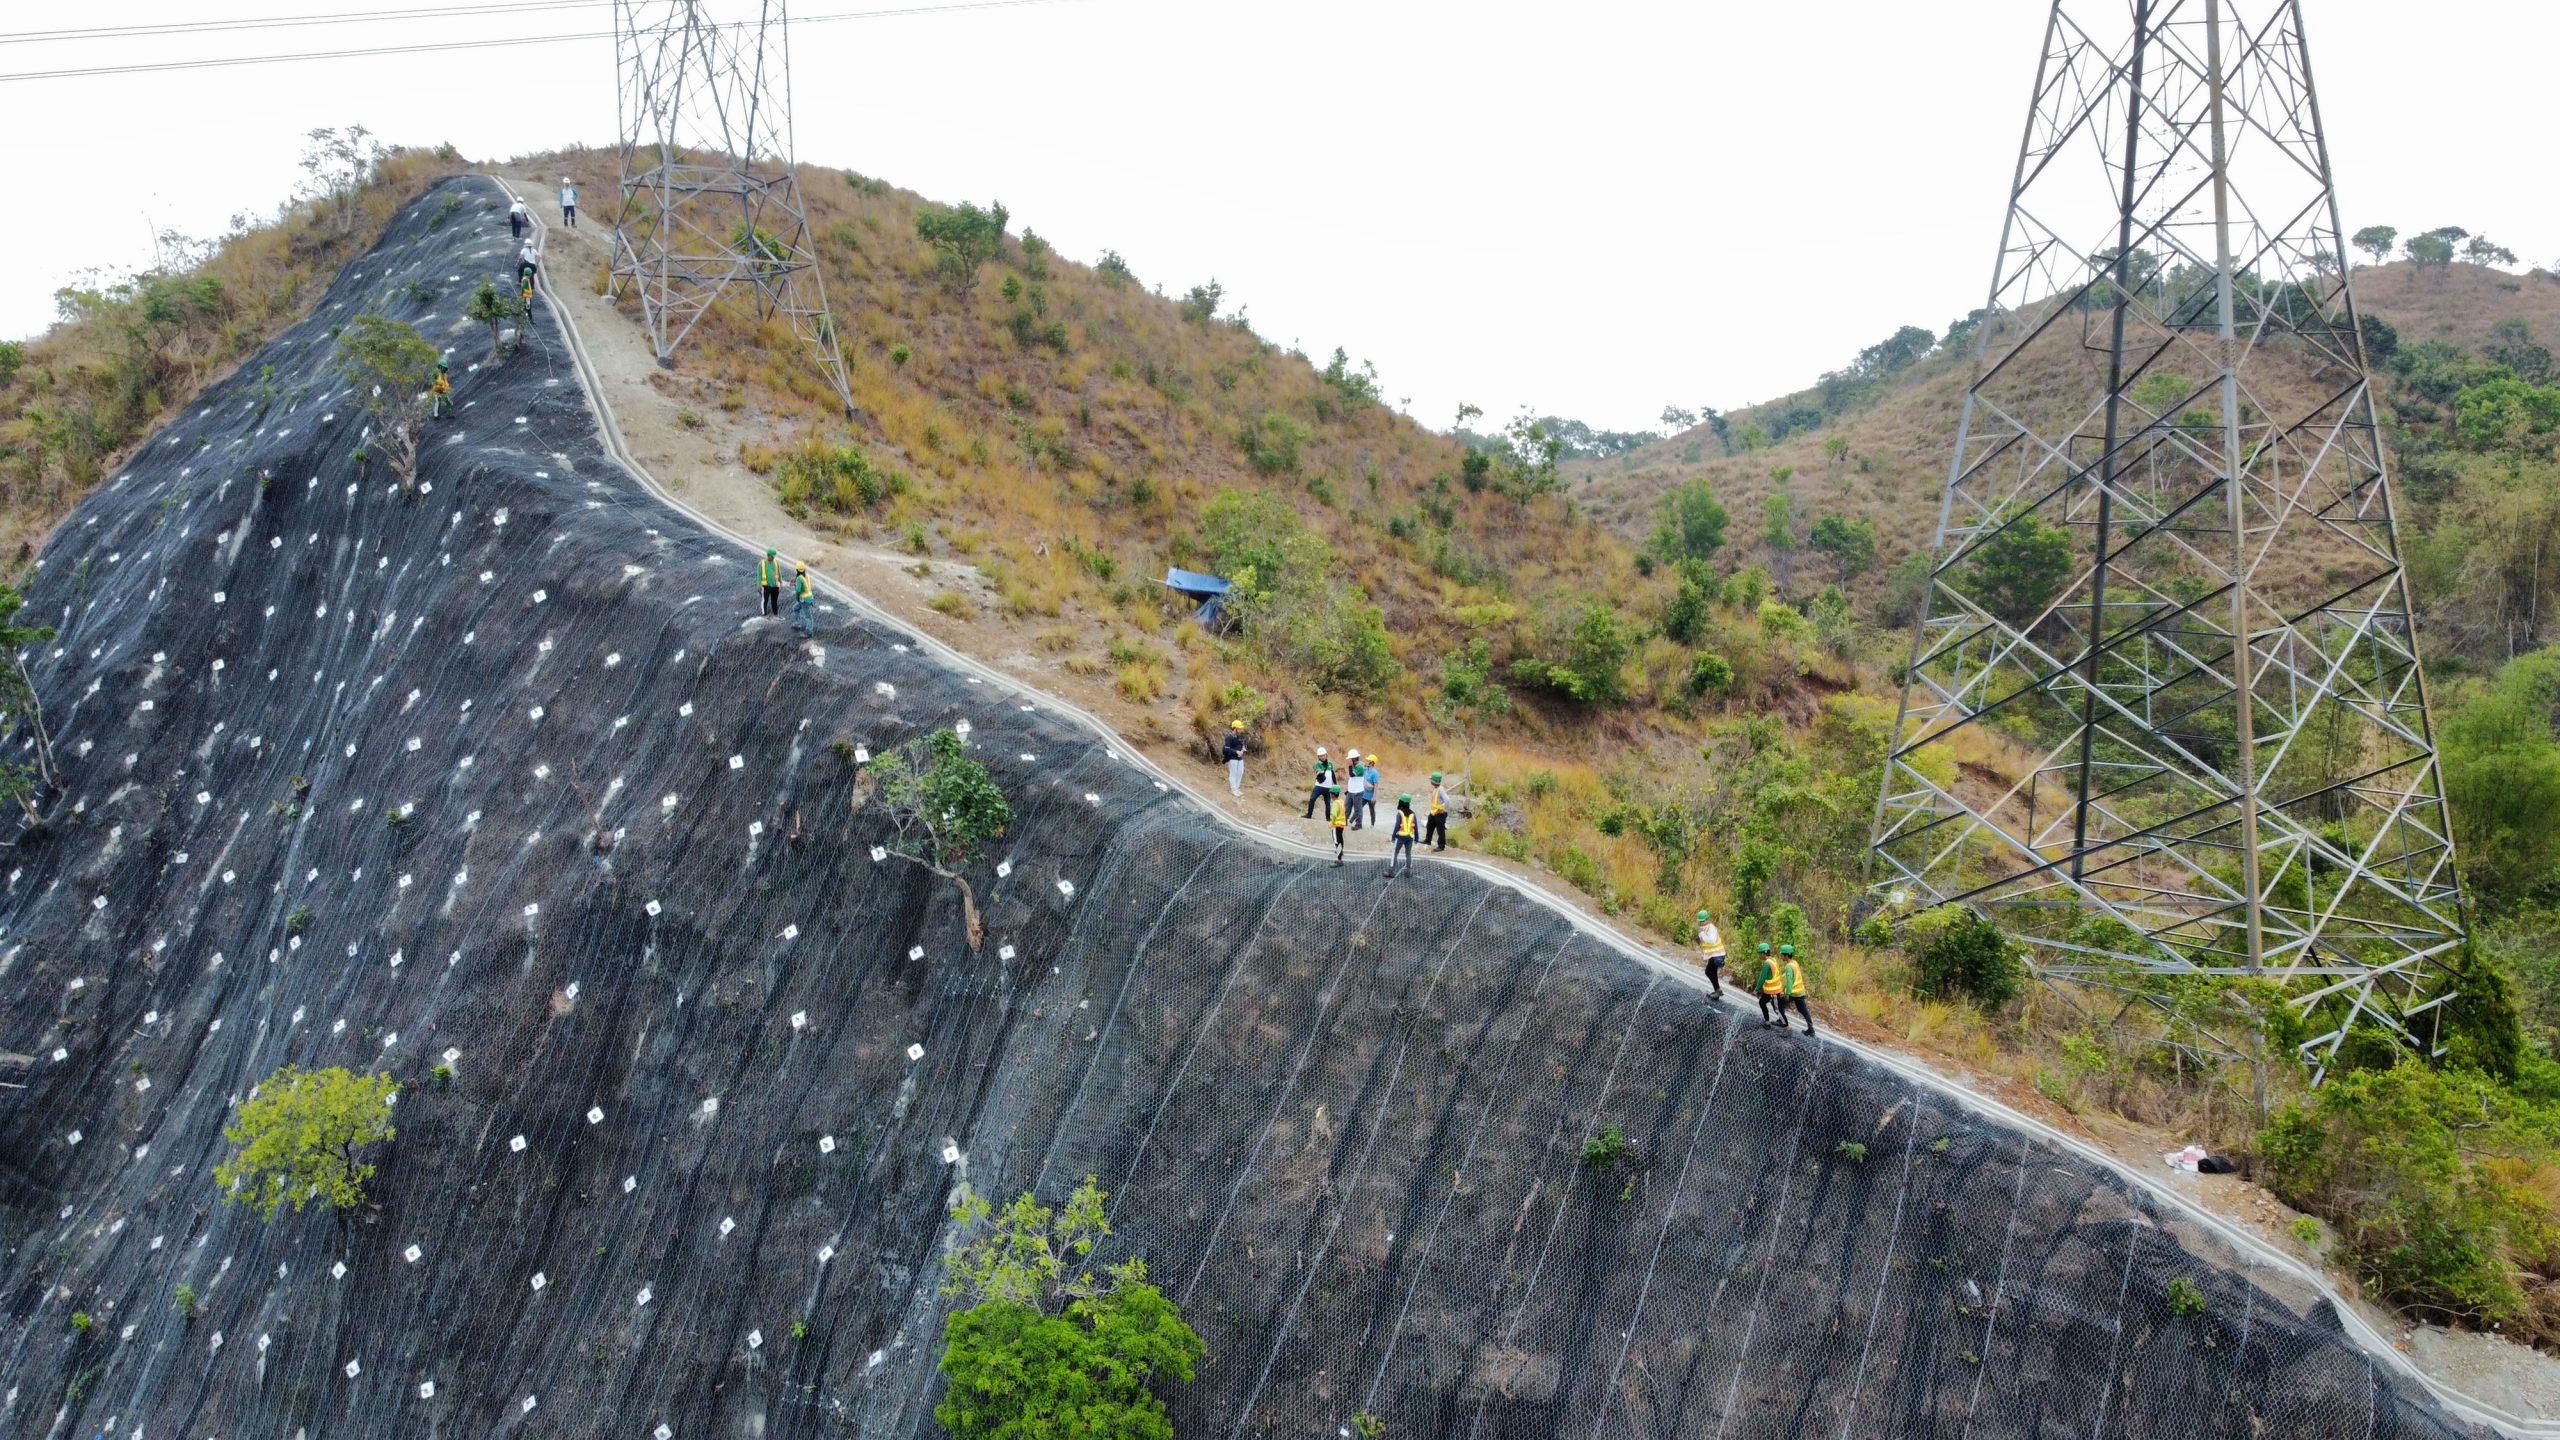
x=1234 y=753
x=1791 y=982
x=804 y=602
x=1711 y=952
x=769 y=579
x=1772 y=987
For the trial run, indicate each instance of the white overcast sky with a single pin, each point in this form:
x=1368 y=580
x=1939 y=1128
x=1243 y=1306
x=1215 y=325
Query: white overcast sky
x=1589 y=209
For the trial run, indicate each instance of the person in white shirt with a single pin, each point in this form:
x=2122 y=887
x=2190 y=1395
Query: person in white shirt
x=1358 y=784
x=1711 y=953
x=519 y=219
x=568 y=203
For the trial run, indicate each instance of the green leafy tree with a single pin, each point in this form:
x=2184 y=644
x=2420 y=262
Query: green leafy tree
x=1851 y=544
x=1692 y=523
x=2505 y=413
x=1470 y=699
x=1677 y=418
x=1906 y=589
x=490 y=307
x=1356 y=385
x=942 y=805
x=1530 y=450
x=1114 y=271
x=963 y=238
x=389 y=366
x=1778 y=535
x=2481 y=250
x=301 y=1138
x=2430 y=252
x=2018 y=571
x=2376 y=241
x=1043 y=1344
x=1684 y=619
x=2502 y=781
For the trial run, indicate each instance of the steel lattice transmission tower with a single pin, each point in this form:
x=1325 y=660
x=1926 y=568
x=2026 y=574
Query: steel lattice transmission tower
x=2169 y=442
x=711 y=209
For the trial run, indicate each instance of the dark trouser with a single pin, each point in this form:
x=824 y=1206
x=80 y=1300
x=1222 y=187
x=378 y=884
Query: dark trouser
x=569 y=216
x=1801 y=1009
x=515 y=225
x=1369 y=803
x=773 y=599
x=1435 y=830
x=1320 y=795
x=1715 y=974
x=1402 y=860
x=1337 y=844
x=1765 y=998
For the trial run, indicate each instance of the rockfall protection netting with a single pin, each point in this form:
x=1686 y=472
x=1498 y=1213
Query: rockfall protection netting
x=578 y=828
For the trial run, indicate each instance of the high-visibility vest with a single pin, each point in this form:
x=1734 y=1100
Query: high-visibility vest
x=769 y=572
x=1404 y=824
x=1439 y=801
x=1769 y=981
x=1341 y=818
x=1711 y=941
x=443 y=385
x=801 y=589
x=1794 y=978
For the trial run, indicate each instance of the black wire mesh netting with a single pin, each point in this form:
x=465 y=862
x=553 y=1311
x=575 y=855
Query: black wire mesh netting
x=498 y=776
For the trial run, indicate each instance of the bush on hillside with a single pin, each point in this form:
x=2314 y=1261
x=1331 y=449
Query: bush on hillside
x=2438 y=1186
x=1582 y=656
x=963 y=237
x=1953 y=952
x=835 y=477
x=1691 y=524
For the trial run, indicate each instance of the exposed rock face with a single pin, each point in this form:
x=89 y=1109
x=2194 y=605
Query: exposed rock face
x=499 y=776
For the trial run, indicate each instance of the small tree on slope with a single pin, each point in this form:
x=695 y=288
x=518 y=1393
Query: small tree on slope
x=390 y=368
x=18 y=702
x=1048 y=1347
x=300 y=1138
x=944 y=805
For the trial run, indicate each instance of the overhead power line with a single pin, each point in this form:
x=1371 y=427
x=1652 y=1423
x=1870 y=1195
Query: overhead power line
x=492 y=42
x=278 y=22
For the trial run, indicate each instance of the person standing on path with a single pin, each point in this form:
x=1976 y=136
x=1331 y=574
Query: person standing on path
x=1369 y=771
x=568 y=203
x=1356 y=785
x=1791 y=980
x=1711 y=952
x=804 y=603
x=1435 y=830
x=769 y=579
x=1401 y=862
x=519 y=219
x=1340 y=817
x=1770 y=980
x=1322 y=794
x=1235 y=758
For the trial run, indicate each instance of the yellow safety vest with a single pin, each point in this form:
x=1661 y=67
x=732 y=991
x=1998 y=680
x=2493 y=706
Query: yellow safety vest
x=1710 y=941
x=1404 y=824
x=1795 y=978
x=800 y=589
x=1769 y=976
x=1439 y=801
x=769 y=572
x=1341 y=818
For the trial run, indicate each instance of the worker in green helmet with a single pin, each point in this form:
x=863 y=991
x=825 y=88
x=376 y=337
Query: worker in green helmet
x=1435 y=829
x=769 y=580
x=1401 y=861
x=1771 y=985
x=1791 y=988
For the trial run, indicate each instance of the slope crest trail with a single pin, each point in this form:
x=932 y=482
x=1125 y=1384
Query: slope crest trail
x=497 y=776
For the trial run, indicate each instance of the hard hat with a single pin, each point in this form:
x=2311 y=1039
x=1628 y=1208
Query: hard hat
x=1702 y=914
x=1319 y=749
x=1786 y=949
x=803 y=569
x=1235 y=724
x=1404 y=799
x=1764 y=947
x=768 y=552
x=1355 y=754
x=1435 y=777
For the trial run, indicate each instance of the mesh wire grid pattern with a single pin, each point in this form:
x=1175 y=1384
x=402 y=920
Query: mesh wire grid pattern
x=631 y=900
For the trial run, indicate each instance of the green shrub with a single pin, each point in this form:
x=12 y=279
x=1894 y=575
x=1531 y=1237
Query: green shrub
x=1604 y=1150
x=299 y=1139
x=1710 y=674
x=2185 y=1300
x=1684 y=619
x=838 y=478
x=1956 y=952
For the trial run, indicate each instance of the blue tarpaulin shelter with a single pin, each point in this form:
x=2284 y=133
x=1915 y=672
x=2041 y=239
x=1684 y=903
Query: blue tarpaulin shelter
x=1209 y=590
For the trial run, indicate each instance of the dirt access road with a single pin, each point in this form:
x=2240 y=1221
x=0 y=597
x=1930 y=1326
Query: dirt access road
x=690 y=447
